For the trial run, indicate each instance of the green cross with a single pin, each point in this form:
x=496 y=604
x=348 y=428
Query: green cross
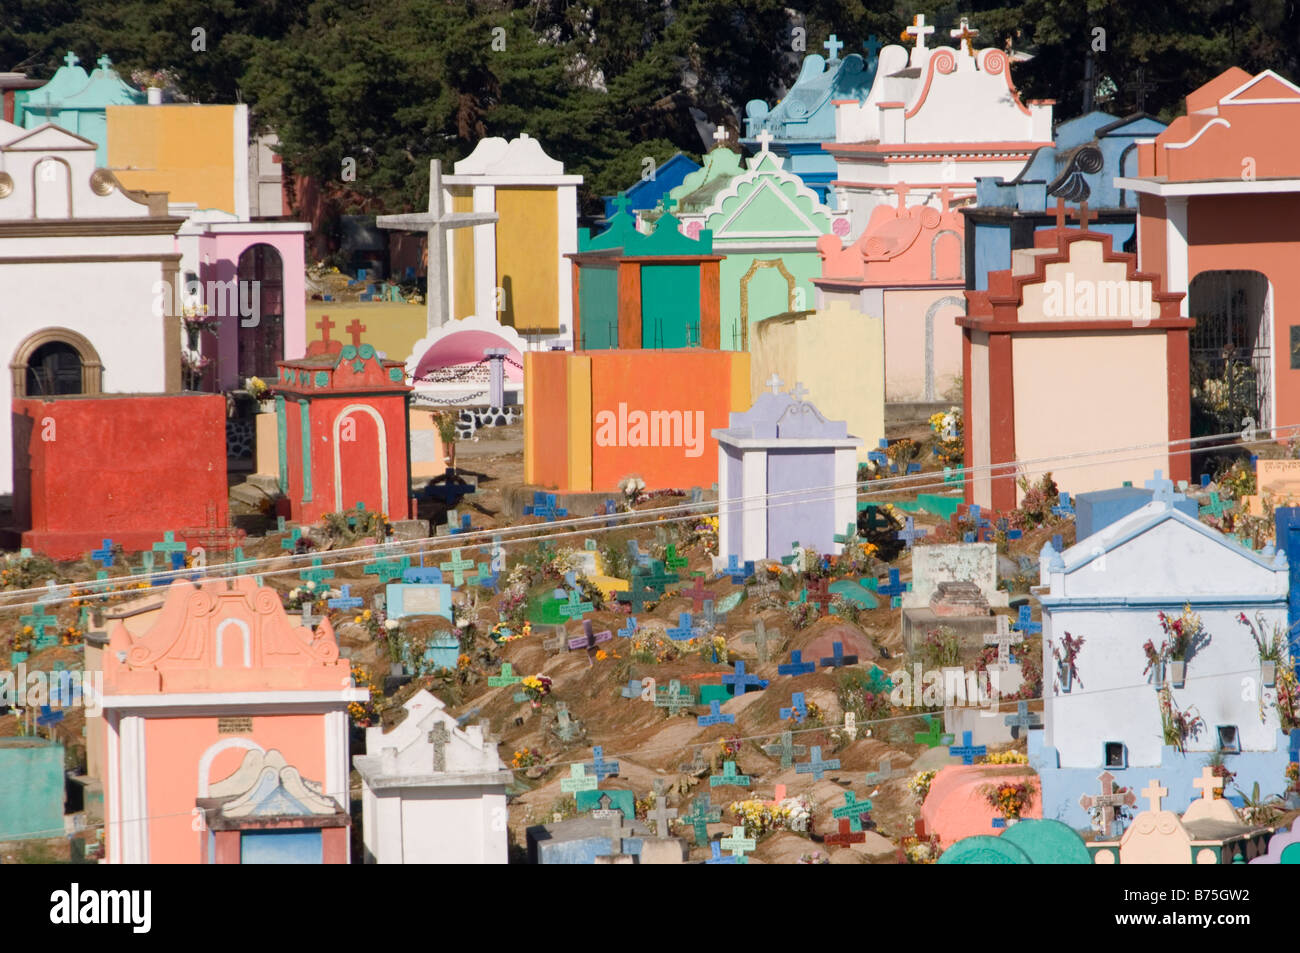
x=853 y=809
x=168 y=544
x=507 y=676
x=146 y=564
x=674 y=697
x=933 y=738
x=672 y=560
x=574 y=607
x=1216 y=506
x=236 y=558
x=387 y=569
x=729 y=776
x=701 y=813
x=850 y=534
x=39 y=620
x=738 y=844
x=578 y=780
x=657 y=579
x=457 y=566
x=317 y=573
x=292 y=542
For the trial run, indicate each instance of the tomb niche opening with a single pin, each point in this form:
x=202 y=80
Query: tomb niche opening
x=56 y=362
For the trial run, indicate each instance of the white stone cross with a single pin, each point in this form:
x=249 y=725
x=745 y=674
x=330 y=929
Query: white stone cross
x=1208 y=782
x=774 y=383
x=720 y=134
x=1003 y=638
x=436 y=223
x=1153 y=792
x=833 y=47
x=919 y=31
x=965 y=33
x=799 y=392
x=764 y=139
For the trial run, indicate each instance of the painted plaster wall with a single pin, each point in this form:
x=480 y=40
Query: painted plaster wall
x=528 y=258
x=565 y=392
x=194 y=153
x=392 y=328
x=128 y=336
x=31 y=788
x=978 y=430
x=175 y=747
x=1066 y=373
x=598 y=305
x=462 y=252
x=120 y=467
x=451 y=825
x=670 y=306
x=838 y=354
x=768 y=291
x=804 y=518
x=225 y=249
x=907 y=343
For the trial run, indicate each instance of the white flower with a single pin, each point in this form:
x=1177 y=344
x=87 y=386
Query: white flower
x=311 y=586
x=295 y=592
x=391 y=624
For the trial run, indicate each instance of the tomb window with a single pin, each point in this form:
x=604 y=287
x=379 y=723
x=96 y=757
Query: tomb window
x=53 y=362
x=1229 y=742
x=1116 y=755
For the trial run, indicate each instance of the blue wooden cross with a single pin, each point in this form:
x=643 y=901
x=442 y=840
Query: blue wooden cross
x=629 y=629
x=878 y=456
x=173 y=548
x=422 y=575
x=544 y=505
x=909 y=534
x=967 y=751
x=894 y=589
x=1063 y=506
x=486 y=578
x=738 y=571
x=816 y=765
x=718 y=857
x=610 y=509
x=1005 y=529
x=598 y=766
x=638 y=558
x=1024 y=623
x=739 y=680
x=632 y=689
x=573 y=607
x=497 y=553
x=796 y=666
x=683 y=630
x=1058 y=542
x=457 y=566
x=1162 y=489
x=838 y=659
x=715 y=716
x=798 y=709
x=1022 y=720
x=345 y=599
x=49 y=717
x=104 y=555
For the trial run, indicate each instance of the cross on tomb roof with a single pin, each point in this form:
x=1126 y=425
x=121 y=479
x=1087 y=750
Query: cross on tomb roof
x=720 y=133
x=1208 y=782
x=799 y=392
x=918 y=31
x=325 y=324
x=774 y=383
x=435 y=223
x=872 y=45
x=104 y=62
x=965 y=33
x=355 y=329
x=72 y=59
x=439 y=737
x=833 y=47
x=1153 y=792
x=764 y=141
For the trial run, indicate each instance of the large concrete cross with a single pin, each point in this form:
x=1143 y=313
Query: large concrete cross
x=436 y=223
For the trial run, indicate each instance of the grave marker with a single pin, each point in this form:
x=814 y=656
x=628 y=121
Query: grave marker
x=715 y=716
x=1106 y=802
x=739 y=680
x=738 y=844
x=796 y=665
x=816 y=765
x=1022 y=720
x=345 y=599
x=838 y=659
x=1003 y=639
x=932 y=737
x=787 y=749
x=662 y=815
x=578 y=780
x=853 y=810
x=598 y=766
x=1024 y=622
x=697 y=594
x=738 y=572
x=507 y=676
x=798 y=710
x=729 y=776
x=759 y=638
x=675 y=697
x=700 y=816
x=967 y=751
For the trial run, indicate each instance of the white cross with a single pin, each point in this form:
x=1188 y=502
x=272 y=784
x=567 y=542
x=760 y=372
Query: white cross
x=774 y=383
x=799 y=392
x=1003 y=638
x=833 y=47
x=1208 y=782
x=436 y=222
x=720 y=134
x=765 y=139
x=965 y=34
x=919 y=31
x=1154 y=792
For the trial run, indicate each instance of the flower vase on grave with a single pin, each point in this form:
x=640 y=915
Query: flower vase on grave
x=1158 y=675
x=1178 y=672
x=1268 y=673
x=154 y=95
x=1066 y=675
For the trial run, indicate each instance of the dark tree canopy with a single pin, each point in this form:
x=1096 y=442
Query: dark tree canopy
x=603 y=84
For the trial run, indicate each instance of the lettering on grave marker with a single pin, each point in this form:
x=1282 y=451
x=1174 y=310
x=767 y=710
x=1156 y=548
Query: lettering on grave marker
x=235 y=725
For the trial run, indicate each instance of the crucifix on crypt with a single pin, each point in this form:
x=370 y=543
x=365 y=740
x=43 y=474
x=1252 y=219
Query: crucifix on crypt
x=436 y=222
